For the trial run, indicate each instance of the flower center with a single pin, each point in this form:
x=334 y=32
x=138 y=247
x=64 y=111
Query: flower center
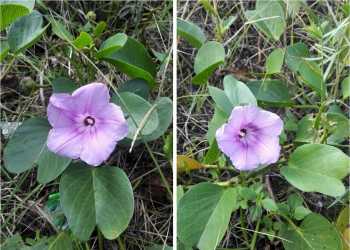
x=242 y=133
x=89 y=121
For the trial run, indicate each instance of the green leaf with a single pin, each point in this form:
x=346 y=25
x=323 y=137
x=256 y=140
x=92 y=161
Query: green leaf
x=237 y=92
x=295 y=55
x=219 y=118
x=159 y=247
x=272 y=92
x=213 y=153
x=112 y=44
x=26 y=145
x=208 y=58
x=4 y=49
x=139 y=108
x=311 y=75
x=221 y=100
x=226 y=23
x=339 y=128
x=345 y=87
x=14 y=242
x=274 y=61
x=84 y=40
x=300 y=212
x=306 y=132
x=51 y=166
x=10 y=10
x=164 y=109
x=136 y=86
x=297 y=59
x=204 y=213
x=25 y=31
x=60 y=30
x=293 y=6
x=315 y=232
x=309 y=169
x=63 y=85
x=100 y=27
x=96 y=196
x=133 y=60
x=191 y=33
x=61 y=241
x=269 y=204
x=268 y=17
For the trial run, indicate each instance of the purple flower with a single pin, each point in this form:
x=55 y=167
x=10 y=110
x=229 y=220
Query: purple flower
x=251 y=137
x=85 y=124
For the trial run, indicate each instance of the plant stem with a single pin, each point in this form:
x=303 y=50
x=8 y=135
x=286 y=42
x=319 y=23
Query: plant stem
x=255 y=235
x=9 y=65
x=100 y=239
x=121 y=244
x=243 y=225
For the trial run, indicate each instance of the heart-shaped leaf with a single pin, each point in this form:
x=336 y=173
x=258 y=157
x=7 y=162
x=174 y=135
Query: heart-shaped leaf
x=141 y=110
x=298 y=60
x=63 y=85
x=50 y=166
x=10 y=10
x=26 y=145
x=133 y=60
x=136 y=86
x=164 y=108
x=221 y=100
x=315 y=232
x=219 y=118
x=25 y=31
x=268 y=17
x=309 y=169
x=112 y=44
x=272 y=92
x=208 y=58
x=60 y=242
x=96 y=196
x=235 y=93
x=204 y=213
x=294 y=55
x=191 y=33
x=339 y=128
x=274 y=61
x=306 y=131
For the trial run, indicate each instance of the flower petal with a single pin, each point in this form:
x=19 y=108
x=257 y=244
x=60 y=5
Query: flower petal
x=99 y=144
x=268 y=123
x=66 y=141
x=225 y=140
x=245 y=159
x=91 y=98
x=267 y=148
x=59 y=118
x=242 y=115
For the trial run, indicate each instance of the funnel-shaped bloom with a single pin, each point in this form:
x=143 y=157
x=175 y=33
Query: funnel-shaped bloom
x=85 y=124
x=251 y=137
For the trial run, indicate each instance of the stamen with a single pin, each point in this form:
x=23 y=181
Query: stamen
x=242 y=133
x=89 y=121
